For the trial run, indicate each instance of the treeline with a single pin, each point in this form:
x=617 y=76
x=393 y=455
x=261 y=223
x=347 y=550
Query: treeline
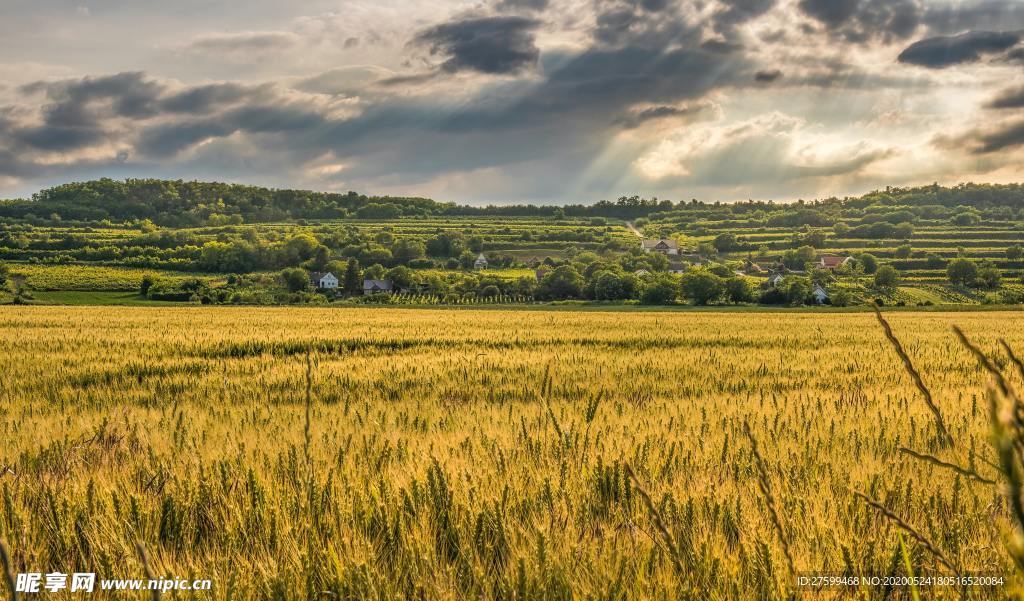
x=177 y=203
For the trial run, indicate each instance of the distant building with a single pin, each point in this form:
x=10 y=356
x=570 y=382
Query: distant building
x=667 y=247
x=540 y=272
x=377 y=287
x=775 y=279
x=481 y=262
x=641 y=272
x=832 y=262
x=819 y=294
x=324 y=281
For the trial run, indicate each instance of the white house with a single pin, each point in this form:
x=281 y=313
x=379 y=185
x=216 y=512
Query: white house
x=775 y=279
x=324 y=281
x=667 y=247
x=481 y=262
x=377 y=287
x=819 y=294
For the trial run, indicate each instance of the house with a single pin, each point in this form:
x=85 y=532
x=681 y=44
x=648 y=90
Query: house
x=775 y=279
x=481 y=262
x=377 y=287
x=324 y=281
x=677 y=268
x=540 y=272
x=641 y=272
x=832 y=262
x=667 y=247
x=819 y=294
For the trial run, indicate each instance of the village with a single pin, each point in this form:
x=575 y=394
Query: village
x=762 y=275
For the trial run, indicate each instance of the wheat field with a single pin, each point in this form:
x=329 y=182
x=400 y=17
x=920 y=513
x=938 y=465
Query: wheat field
x=457 y=454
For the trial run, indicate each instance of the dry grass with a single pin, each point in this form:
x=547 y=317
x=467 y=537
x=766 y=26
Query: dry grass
x=490 y=454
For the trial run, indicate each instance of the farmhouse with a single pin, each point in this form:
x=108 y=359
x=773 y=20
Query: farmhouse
x=377 y=287
x=324 y=281
x=667 y=247
x=481 y=262
x=819 y=294
x=540 y=273
x=832 y=262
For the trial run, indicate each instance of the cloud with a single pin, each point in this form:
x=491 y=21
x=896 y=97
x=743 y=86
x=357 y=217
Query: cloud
x=731 y=13
x=641 y=116
x=863 y=20
x=1011 y=98
x=944 y=51
x=1008 y=135
x=767 y=76
x=202 y=99
x=517 y=5
x=952 y=17
x=491 y=44
x=244 y=43
x=767 y=149
x=77 y=102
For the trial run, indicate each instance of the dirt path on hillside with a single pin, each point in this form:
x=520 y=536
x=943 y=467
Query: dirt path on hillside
x=633 y=229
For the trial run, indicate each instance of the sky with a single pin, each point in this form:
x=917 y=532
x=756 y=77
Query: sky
x=508 y=101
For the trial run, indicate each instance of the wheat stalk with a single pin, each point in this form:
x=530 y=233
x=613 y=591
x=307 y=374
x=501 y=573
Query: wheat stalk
x=916 y=376
x=892 y=517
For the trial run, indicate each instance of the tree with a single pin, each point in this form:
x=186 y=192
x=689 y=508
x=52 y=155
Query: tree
x=295 y=279
x=842 y=298
x=374 y=272
x=490 y=291
x=562 y=282
x=353 y=280
x=408 y=249
x=886 y=276
x=798 y=258
x=144 y=286
x=989 y=276
x=446 y=244
x=903 y=251
x=702 y=286
x=3 y=273
x=662 y=289
x=725 y=242
x=962 y=272
x=401 y=277
x=614 y=285
x=1014 y=253
x=797 y=290
x=934 y=261
x=738 y=290
x=869 y=262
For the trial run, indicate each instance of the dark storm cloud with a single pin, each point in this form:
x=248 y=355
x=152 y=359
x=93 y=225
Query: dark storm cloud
x=862 y=20
x=944 y=51
x=491 y=44
x=1012 y=98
